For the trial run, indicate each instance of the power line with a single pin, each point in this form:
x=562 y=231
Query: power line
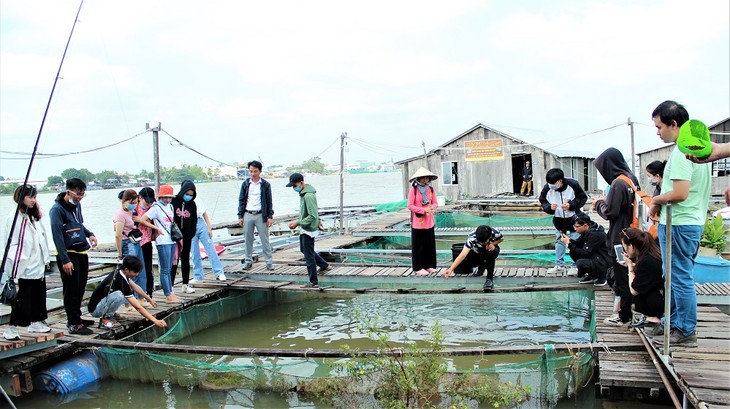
x=195 y=150
x=57 y=155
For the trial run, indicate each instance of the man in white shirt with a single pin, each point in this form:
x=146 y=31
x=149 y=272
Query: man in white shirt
x=255 y=210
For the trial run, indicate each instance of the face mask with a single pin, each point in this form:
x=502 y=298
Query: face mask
x=187 y=198
x=166 y=201
x=654 y=182
x=297 y=189
x=553 y=187
x=143 y=206
x=131 y=206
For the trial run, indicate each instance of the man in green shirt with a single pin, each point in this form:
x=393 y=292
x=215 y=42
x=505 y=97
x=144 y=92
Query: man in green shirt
x=687 y=186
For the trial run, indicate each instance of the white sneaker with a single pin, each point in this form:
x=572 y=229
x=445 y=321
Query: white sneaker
x=555 y=270
x=195 y=281
x=573 y=271
x=11 y=334
x=221 y=277
x=38 y=327
x=188 y=289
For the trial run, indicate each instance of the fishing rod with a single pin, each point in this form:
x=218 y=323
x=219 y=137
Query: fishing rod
x=26 y=187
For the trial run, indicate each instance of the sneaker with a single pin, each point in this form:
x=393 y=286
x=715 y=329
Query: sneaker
x=221 y=277
x=655 y=331
x=600 y=282
x=587 y=280
x=309 y=285
x=107 y=322
x=11 y=334
x=270 y=267
x=38 y=327
x=555 y=270
x=195 y=281
x=87 y=322
x=677 y=338
x=488 y=284
x=614 y=320
x=573 y=272
x=79 y=330
x=188 y=289
x=325 y=269
x=247 y=265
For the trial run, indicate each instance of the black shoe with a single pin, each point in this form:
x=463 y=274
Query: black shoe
x=587 y=280
x=79 y=330
x=87 y=323
x=488 y=284
x=479 y=273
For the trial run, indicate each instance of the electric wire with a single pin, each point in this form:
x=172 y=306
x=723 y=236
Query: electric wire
x=57 y=155
x=181 y=143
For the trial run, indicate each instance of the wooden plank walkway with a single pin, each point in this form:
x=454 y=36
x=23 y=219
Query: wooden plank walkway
x=703 y=373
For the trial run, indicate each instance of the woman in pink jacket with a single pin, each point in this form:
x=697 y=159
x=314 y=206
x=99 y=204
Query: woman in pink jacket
x=422 y=203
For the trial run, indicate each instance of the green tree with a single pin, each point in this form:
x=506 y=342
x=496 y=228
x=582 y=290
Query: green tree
x=54 y=181
x=107 y=174
x=83 y=174
x=313 y=165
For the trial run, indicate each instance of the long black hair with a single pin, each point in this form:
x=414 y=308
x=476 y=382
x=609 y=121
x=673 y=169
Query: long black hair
x=23 y=191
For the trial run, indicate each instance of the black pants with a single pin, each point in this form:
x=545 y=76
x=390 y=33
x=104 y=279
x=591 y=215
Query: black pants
x=147 y=254
x=650 y=304
x=585 y=268
x=74 y=286
x=31 y=305
x=184 y=259
x=423 y=248
x=621 y=287
x=482 y=260
x=312 y=258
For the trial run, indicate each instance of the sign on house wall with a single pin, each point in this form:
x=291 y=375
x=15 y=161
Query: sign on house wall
x=486 y=149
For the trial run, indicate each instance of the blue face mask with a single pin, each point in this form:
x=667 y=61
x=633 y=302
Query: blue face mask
x=187 y=198
x=131 y=206
x=297 y=189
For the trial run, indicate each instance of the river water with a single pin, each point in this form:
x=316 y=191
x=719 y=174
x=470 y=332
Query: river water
x=221 y=199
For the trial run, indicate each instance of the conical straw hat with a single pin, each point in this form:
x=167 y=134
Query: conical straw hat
x=421 y=172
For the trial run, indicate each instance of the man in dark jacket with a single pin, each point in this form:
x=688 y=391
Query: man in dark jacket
x=72 y=260
x=526 y=189
x=618 y=208
x=589 y=250
x=255 y=210
x=186 y=218
x=562 y=198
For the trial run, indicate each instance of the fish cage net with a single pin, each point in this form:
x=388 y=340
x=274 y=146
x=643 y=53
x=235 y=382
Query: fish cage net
x=551 y=375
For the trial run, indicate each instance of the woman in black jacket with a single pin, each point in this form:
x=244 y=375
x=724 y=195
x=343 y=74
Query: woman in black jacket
x=644 y=262
x=186 y=218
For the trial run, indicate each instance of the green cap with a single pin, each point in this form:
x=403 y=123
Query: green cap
x=694 y=139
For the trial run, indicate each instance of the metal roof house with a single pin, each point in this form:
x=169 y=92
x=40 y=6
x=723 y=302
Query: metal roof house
x=483 y=162
x=720 y=132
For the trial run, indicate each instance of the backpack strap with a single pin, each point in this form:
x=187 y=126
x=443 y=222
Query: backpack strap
x=635 y=218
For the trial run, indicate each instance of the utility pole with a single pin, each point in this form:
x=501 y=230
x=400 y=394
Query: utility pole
x=342 y=182
x=156 y=153
x=633 y=156
x=423 y=143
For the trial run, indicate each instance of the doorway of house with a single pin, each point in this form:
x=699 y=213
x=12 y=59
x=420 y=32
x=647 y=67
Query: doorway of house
x=518 y=162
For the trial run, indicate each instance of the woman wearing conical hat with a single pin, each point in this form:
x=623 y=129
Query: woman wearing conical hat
x=422 y=203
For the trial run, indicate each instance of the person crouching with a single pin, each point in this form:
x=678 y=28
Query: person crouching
x=480 y=250
x=589 y=250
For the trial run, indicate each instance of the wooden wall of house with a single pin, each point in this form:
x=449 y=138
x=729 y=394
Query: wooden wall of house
x=487 y=178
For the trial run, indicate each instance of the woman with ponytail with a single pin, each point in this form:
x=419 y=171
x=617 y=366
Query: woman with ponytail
x=644 y=262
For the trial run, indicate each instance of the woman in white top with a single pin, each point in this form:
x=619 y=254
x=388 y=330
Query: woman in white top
x=26 y=263
x=162 y=214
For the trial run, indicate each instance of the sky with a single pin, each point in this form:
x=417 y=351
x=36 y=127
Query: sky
x=280 y=81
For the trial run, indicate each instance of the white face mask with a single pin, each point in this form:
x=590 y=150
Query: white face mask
x=553 y=187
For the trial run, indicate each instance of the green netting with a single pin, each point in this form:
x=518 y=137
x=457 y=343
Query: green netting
x=401 y=204
x=466 y=220
x=554 y=375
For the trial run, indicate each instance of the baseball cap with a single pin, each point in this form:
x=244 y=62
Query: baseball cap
x=294 y=179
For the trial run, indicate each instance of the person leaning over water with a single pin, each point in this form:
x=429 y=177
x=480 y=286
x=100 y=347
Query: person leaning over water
x=118 y=288
x=422 y=203
x=26 y=263
x=67 y=223
x=310 y=224
x=162 y=215
x=480 y=250
x=124 y=222
x=255 y=210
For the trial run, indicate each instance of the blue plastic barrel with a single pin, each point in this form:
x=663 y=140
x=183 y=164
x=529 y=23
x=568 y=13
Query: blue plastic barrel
x=69 y=376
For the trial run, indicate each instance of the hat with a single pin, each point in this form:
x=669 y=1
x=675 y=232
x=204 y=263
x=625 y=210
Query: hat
x=694 y=139
x=147 y=194
x=421 y=172
x=294 y=179
x=166 y=191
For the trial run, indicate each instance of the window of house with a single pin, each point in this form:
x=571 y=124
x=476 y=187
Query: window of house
x=449 y=173
x=721 y=167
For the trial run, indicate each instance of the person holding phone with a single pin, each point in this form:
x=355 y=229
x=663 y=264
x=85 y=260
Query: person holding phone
x=643 y=260
x=589 y=250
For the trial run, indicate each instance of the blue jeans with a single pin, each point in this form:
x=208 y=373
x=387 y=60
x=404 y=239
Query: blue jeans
x=249 y=222
x=109 y=305
x=201 y=235
x=560 y=247
x=313 y=259
x=134 y=249
x=685 y=243
x=164 y=254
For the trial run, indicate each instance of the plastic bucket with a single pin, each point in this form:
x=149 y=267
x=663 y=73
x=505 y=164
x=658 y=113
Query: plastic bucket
x=461 y=268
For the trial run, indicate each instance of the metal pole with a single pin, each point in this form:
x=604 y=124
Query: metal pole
x=667 y=281
x=342 y=182
x=156 y=154
x=633 y=156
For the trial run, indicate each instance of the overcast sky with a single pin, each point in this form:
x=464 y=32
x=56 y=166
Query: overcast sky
x=281 y=80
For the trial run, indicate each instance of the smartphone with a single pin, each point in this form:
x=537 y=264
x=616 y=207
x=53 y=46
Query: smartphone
x=619 y=250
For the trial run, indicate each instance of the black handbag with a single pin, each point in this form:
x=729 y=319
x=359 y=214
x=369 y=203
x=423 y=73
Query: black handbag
x=174 y=232
x=74 y=237
x=10 y=292
x=135 y=235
